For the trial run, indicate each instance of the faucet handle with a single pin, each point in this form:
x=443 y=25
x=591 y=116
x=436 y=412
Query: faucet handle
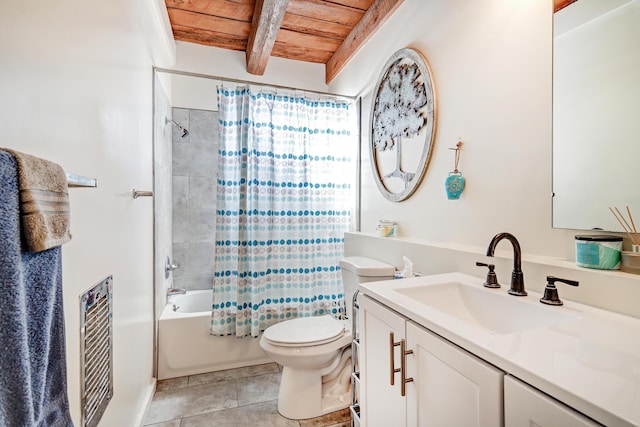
x=492 y=279
x=550 y=296
x=169 y=267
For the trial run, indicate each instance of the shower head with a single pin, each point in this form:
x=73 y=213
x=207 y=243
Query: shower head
x=185 y=132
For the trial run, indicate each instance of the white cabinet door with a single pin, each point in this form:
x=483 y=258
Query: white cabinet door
x=450 y=386
x=525 y=406
x=381 y=404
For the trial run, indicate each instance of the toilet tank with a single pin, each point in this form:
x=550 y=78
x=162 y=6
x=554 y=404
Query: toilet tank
x=358 y=269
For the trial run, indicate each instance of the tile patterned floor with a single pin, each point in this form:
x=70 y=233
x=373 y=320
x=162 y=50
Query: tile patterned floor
x=232 y=398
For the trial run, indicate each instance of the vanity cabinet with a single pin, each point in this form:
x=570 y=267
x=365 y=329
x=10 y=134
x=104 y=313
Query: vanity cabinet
x=525 y=406
x=412 y=377
x=381 y=403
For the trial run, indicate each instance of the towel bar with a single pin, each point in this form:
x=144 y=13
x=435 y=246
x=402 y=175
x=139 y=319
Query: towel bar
x=74 y=180
x=138 y=193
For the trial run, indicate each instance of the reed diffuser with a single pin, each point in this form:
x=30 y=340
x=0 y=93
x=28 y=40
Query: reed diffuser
x=629 y=227
x=629 y=260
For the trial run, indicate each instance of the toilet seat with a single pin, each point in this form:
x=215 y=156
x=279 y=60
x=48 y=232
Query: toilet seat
x=305 y=331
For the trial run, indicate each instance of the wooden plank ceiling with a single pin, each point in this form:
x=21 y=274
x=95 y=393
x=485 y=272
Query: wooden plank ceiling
x=325 y=32
x=320 y=31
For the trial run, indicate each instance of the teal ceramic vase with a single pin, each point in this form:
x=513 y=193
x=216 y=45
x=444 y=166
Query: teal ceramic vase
x=454 y=185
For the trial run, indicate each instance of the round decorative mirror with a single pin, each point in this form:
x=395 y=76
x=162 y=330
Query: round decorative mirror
x=403 y=124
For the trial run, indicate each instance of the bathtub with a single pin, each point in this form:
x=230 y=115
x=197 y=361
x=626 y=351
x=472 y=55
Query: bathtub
x=185 y=346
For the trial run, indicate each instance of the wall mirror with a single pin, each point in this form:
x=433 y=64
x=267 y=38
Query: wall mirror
x=596 y=113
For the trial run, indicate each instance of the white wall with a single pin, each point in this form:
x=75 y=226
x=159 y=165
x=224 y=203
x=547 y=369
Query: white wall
x=76 y=88
x=491 y=62
x=200 y=93
x=196 y=58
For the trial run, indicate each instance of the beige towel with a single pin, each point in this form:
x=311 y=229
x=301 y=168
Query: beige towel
x=44 y=202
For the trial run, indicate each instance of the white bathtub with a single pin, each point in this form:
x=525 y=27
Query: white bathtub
x=185 y=346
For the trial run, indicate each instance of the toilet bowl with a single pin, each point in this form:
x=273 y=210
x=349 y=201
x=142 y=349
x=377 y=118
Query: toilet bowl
x=310 y=348
x=315 y=352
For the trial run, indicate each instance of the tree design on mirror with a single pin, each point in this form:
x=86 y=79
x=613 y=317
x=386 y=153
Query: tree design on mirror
x=403 y=124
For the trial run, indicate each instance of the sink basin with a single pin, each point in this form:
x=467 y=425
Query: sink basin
x=498 y=313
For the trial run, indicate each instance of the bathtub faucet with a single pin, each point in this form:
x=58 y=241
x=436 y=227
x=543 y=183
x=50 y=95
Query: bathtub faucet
x=175 y=291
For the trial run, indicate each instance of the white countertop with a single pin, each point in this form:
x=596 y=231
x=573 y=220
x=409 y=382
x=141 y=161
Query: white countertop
x=591 y=363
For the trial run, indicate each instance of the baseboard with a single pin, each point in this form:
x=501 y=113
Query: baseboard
x=146 y=402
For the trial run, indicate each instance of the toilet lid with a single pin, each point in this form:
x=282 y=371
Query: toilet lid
x=305 y=331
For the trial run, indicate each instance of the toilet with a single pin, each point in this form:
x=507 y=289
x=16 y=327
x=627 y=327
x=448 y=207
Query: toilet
x=315 y=352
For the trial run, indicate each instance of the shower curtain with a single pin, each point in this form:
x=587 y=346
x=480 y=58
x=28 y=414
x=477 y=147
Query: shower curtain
x=285 y=167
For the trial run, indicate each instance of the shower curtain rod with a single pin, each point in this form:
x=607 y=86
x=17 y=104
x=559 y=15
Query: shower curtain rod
x=226 y=79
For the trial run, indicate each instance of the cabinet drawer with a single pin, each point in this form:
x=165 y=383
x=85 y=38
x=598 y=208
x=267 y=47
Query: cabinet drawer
x=525 y=406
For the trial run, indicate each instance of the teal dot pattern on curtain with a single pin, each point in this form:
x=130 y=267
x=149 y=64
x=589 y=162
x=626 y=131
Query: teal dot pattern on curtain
x=283 y=204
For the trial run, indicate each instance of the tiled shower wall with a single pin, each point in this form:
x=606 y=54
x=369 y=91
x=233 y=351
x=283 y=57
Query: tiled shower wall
x=194 y=197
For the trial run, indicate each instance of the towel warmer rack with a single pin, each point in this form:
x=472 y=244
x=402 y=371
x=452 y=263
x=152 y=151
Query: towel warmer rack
x=355 y=367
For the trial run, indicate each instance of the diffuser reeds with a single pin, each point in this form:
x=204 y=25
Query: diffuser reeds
x=628 y=226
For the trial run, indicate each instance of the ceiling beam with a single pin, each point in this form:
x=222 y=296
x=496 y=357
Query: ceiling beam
x=371 y=21
x=267 y=19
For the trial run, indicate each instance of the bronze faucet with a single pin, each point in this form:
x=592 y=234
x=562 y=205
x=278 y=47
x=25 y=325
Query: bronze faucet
x=517 y=278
